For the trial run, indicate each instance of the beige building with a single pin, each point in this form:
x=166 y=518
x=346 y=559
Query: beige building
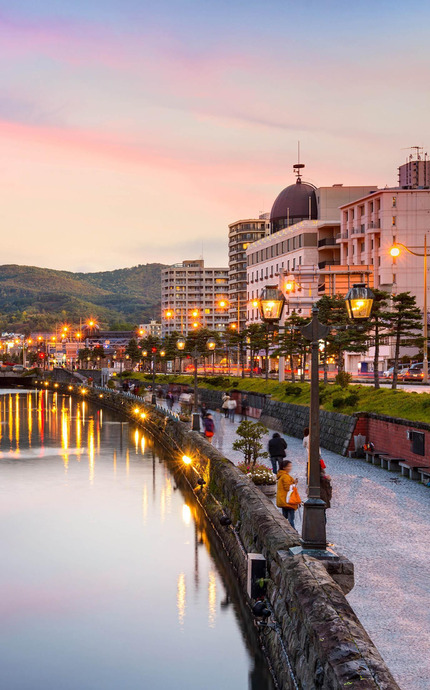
x=191 y=296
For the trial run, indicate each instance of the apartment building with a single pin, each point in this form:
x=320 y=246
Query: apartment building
x=241 y=234
x=191 y=297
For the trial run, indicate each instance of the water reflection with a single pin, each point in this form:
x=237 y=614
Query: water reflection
x=136 y=563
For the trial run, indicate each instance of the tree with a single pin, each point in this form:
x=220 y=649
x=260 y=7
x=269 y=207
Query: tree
x=250 y=444
x=379 y=324
x=404 y=318
x=98 y=353
x=344 y=336
x=293 y=344
x=133 y=351
x=255 y=337
x=84 y=355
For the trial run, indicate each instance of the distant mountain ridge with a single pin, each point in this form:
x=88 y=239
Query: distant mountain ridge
x=33 y=298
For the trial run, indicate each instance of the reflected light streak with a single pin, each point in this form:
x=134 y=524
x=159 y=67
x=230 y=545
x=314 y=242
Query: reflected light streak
x=127 y=461
x=114 y=462
x=10 y=419
x=163 y=504
x=212 y=599
x=78 y=430
x=91 y=449
x=181 y=598
x=30 y=417
x=101 y=419
x=186 y=514
x=142 y=445
x=83 y=405
x=136 y=441
x=41 y=417
x=17 y=421
x=65 y=436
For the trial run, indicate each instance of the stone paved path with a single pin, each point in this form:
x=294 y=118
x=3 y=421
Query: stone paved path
x=382 y=523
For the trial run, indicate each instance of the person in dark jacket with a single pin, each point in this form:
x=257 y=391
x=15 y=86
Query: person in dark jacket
x=326 y=491
x=277 y=450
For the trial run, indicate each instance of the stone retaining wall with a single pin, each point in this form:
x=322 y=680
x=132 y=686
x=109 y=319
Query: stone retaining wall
x=326 y=644
x=335 y=429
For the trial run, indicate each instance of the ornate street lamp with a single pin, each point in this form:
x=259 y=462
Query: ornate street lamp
x=270 y=305
x=359 y=302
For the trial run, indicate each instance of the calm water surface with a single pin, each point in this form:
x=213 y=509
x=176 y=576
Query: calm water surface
x=109 y=576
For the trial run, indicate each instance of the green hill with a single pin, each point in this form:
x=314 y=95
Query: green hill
x=33 y=298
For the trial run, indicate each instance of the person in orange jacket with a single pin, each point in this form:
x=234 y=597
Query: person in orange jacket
x=285 y=481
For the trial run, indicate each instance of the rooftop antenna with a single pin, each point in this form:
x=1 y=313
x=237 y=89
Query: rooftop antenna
x=298 y=167
x=418 y=152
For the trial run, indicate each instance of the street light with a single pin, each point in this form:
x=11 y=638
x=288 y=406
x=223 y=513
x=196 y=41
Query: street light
x=270 y=305
x=395 y=252
x=313 y=527
x=359 y=302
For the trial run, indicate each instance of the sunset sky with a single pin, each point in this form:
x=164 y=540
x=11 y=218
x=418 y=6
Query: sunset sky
x=134 y=131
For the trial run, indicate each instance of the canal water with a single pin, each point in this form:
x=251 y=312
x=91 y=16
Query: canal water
x=109 y=578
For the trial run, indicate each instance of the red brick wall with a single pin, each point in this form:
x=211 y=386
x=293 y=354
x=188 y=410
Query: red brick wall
x=390 y=437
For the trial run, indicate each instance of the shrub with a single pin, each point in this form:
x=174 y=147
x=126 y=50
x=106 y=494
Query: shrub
x=292 y=389
x=345 y=400
x=343 y=379
x=217 y=381
x=111 y=384
x=250 y=444
x=338 y=401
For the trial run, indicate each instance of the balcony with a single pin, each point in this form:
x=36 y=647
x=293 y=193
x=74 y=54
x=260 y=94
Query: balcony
x=358 y=231
x=327 y=242
x=324 y=264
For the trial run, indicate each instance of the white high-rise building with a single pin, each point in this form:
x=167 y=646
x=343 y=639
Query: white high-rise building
x=191 y=297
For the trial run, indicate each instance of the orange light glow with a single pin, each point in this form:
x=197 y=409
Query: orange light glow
x=394 y=251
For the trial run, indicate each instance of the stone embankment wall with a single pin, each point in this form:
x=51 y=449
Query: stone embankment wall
x=316 y=641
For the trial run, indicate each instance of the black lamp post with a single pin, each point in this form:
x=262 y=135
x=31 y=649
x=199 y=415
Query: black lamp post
x=270 y=304
x=211 y=345
x=359 y=302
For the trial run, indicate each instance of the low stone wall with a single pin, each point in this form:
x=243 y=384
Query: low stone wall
x=316 y=641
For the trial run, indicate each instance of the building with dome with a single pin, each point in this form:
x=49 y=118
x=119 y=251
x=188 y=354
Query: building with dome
x=302 y=249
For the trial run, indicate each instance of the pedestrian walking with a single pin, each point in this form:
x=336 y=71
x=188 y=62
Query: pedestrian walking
x=209 y=426
x=232 y=404
x=245 y=407
x=169 y=400
x=277 y=448
x=224 y=406
x=306 y=442
x=219 y=429
x=287 y=497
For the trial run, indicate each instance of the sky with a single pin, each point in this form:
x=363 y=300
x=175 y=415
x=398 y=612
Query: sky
x=134 y=131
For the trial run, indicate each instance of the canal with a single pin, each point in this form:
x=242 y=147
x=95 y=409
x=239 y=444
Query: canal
x=110 y=577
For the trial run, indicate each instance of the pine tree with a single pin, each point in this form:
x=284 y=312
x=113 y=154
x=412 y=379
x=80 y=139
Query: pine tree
x=379 y=324
x=405 y=318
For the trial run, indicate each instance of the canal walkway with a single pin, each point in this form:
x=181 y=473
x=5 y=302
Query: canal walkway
x=381 y=522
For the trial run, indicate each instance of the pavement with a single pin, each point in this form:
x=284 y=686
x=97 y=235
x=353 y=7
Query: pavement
x=381 y=522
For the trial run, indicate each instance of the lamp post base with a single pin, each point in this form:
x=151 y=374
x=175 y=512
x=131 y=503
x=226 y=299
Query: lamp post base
x=153 y=399
x=313 y=529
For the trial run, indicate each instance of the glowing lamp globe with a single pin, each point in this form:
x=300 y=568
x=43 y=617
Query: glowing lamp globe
x=211 y=344
x=180 y=343
x=271 y=304
x=359 y=302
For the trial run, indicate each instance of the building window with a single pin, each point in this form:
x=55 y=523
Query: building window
x=393 y=220
x=300 y=260
x=362 y=246
x=394 y=201
x=277 y=268
x=294 y=264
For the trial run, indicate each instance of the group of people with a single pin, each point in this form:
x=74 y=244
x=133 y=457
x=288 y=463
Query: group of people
x=287 y=495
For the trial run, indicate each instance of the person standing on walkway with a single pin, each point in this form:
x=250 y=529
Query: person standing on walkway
x=245 y=407
x=306 y=442
x=285 y=483
x=224 y=406
x=326 y=491
x=277 y=448
x=232 y=404
x=209 y=426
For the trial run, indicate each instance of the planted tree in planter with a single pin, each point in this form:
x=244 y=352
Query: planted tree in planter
x=249 y=443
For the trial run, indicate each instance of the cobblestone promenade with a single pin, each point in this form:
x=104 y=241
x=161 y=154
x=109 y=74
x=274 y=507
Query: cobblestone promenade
x=381 y=522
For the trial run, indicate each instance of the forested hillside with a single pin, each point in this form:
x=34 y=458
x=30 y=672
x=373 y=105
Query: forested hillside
x=37 y=298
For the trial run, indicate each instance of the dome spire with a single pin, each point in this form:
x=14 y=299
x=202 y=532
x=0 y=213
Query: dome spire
x=298 y=167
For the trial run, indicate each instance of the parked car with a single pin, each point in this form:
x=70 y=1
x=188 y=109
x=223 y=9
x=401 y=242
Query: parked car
x=402 y=369
x=415 y=372
x=19 y=368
